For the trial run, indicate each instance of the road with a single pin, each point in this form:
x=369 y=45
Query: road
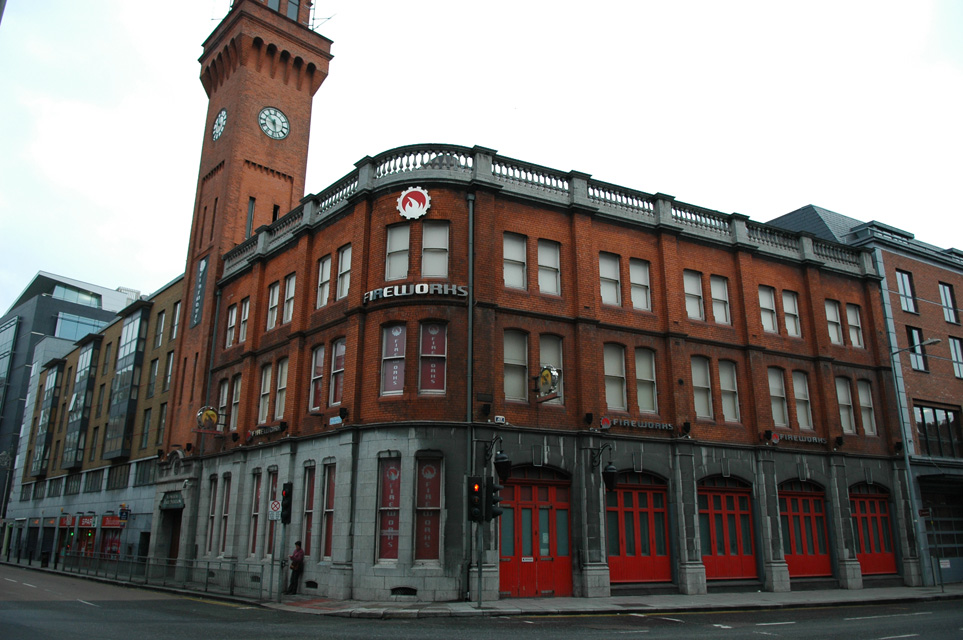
x=39 y=606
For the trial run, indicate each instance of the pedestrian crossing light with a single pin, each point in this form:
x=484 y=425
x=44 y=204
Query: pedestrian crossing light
x=476 y=506
x=287 y=493
x=492 y=498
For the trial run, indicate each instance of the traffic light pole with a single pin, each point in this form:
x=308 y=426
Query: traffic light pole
x=479 y=541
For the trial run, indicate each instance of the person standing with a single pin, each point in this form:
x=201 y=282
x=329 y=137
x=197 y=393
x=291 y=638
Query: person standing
x=297 y=567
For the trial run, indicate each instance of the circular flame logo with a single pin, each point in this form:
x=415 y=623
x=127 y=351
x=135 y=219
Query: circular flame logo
x=413 y=203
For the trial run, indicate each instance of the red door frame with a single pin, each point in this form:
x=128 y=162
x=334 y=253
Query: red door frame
x=535 y=550
x=872 y=529
x=805 y=533
x=637 y=526
x=726 y=529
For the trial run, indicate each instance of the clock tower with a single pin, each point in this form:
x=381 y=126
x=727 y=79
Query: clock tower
x=260 y=68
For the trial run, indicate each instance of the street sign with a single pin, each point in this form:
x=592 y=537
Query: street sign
x=124 y=515
x=274 y=510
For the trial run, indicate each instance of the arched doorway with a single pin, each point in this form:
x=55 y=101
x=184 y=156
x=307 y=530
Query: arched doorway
x=802 y=515
x=637 y=529
x=872 y=529
x=725 y=528
x=535 y=549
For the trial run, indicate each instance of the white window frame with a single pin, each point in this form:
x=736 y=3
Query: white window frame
x=316 y=390
x=778 y=406
x=159 y=329
x=434 y=248
x=800 y=389
x=550 y=353
x=646 y=387
x=290 y=284
x=702 y=386
x=610 y=279
x=729 y=390
x=844 y=397
x=854 y=321
x=387 y=359
x=235 y=400
x=274 y=292
x=865 y=391
x=324 y=281
x=515 y=360
x=337 y=373
x=264 y=398
x=767 y=309
x=280 y=399
x=344 y=271
x=514 y=256
x=242 y=327
x=948 y=300
x=719 y=288
x=425 y=358
x=549 y=268
x=907 y=294
x=834 y=322
x=639 y=286
x=613 y=357
x=692 y=285
x=790 y=312
x=397 y=243
x=231 y=323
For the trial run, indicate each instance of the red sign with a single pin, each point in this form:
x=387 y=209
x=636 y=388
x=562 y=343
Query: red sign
x=112 y=522
x=87 y=522
x=67 y=521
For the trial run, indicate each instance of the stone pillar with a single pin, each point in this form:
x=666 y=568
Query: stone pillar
x=691 y=571
x=775 y=569
x=848 y=571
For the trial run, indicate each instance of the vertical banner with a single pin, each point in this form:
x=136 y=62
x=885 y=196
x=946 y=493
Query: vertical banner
x=389 y=514
x=200 y=284
x=428 y=505
x=434 y=345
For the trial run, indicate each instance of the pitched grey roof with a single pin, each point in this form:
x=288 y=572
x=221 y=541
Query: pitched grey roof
x=822 y=223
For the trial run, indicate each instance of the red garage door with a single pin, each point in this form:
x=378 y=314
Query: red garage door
x=637 y=529
x=725 y=529
x=872 y=529
x=802 y=514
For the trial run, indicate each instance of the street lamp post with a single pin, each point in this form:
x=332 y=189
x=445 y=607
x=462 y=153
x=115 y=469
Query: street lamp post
x=907 y=435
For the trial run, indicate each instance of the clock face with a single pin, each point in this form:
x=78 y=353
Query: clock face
x=219 y=123
x=273 y=123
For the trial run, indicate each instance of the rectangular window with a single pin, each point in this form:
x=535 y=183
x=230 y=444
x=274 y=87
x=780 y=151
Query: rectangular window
x=324 y=281
x=293 y=6
x=223 y=397
x=393 y=341
x=767 y=307
x=719 y=287
x=549 y=268
x=701 y=387
x=639 y=281
x=550 y=353
x=777 y=397
x=956 y=355
x=344 y=271
x=94 y=481
x=245 y=311
x=434 y=249
x=225 y=512
x=692 y=283
x=235 y=400
x=161 y=423
x=337 y=371
x=389 y=504
x=844 y=396
x=175 y=320
x=145 y=431
x=513 y=261
x=396 y=261
x=255 y=511
x=152 y=377
x=800 y=389
x=917 y=352
x=609 y=279
x=327 y=526
x=790 y=310
x=93 y=444
x=834 y=322
x=614 y=361
x=907 y=296
x=729 y=389
x=212 y=514
x=264 y=400
x=433 y=360
x=317 y=379
x=855 y=325
x=866 y=412
x=274 y=292
x=646 y=391
x=118 y=476
x=231 y=323
x=290 y=283
x=282 y=389
x=948 y=300
x=516 y=366
x=159 y=329
x=428 y=510
x=307 y=519
x=168 y=371
x=938 y=432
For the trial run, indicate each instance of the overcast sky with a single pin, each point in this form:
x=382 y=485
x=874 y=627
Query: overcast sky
x=750 y=107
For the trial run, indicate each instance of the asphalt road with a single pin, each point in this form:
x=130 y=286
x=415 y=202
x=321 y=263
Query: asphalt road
x=39 y=606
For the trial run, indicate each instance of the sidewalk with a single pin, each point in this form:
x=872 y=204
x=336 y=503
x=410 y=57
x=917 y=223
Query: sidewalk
x=645 y=605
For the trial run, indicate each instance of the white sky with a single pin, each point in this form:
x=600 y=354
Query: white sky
x=750 y=107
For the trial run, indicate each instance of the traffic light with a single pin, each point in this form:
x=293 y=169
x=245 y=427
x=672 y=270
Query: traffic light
x=492 y=510
x=287 y=491
x=476 y=507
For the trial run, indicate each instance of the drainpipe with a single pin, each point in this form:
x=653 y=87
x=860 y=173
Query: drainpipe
x=210 y=360
x=469 y=382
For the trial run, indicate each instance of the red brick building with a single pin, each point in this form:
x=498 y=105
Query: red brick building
x=376 y=344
